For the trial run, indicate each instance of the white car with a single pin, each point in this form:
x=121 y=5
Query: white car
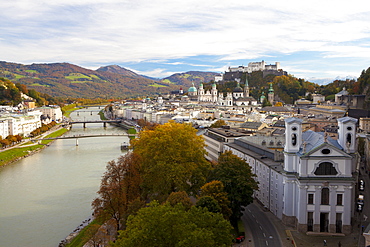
x=361 y=185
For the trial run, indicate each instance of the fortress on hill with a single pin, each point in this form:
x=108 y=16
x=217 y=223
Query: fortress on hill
x=236 y=72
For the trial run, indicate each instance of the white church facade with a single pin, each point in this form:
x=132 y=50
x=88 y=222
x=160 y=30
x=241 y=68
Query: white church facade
x=239 y=97
x=311 y=185
x=318 y=177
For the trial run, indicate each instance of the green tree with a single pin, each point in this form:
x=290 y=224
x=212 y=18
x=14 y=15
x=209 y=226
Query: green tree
x=172 y=158
x=210 y=203
x=166 y=225
x=238 y=179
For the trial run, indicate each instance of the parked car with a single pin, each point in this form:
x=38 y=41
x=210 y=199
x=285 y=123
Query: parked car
x=360 y=199
x=361 y=185
x=239 y=239
x=359 y=207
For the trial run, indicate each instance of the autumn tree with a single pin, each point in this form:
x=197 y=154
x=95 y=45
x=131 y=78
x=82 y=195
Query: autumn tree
x=216 y=190
x=180 y=197
x=172 y=158
x=238 y=179
x=166 y=225
x=120 y=185
x=146 y=124
x=218 y=124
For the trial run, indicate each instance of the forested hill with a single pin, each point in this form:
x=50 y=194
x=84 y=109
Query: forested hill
x=68 y=80
x=118 y=70
x=186 y=79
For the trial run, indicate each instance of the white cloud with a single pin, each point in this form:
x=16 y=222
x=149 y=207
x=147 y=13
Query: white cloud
x=79 y=31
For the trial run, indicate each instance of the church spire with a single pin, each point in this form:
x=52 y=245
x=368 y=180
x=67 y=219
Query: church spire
x=246 y=88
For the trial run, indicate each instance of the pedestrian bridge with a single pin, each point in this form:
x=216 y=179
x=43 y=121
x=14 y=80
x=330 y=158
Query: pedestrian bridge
x=81 y=136
x=94 y=121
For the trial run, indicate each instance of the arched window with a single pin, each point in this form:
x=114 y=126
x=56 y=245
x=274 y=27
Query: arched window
x=326 y=168
x=271 y=143
x=263 y=143
x=349 y=138
x=294 y=139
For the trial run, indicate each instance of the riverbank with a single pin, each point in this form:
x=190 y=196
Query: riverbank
x=25 y=149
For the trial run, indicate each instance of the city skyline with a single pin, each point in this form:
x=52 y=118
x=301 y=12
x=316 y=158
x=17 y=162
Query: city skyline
x=311 y=40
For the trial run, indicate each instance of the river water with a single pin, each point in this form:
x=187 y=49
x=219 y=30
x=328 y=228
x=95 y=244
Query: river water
x=47 y=195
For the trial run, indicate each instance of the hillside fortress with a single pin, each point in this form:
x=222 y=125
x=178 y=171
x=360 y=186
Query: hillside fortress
x=235 y=73
x=255 y=66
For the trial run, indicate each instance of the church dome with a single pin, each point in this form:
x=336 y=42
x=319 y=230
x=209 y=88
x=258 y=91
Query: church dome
x=238 y=89
x=192 y=89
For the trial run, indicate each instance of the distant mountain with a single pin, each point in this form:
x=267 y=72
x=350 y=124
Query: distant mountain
x=122 y=71
x=68 y=80
x=186 y=79
x=325 y=81
x=118 y=70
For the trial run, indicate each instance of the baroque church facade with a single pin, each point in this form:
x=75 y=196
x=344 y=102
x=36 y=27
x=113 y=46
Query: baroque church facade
x=312 y=187
x=239 y=96
x=318 y=176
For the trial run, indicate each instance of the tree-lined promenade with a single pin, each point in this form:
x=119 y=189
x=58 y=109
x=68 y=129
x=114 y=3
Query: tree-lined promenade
x=13 y=153
x=192 y=202
x=14 y=149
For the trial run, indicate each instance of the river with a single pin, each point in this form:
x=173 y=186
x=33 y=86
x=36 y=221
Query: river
x=47 y=195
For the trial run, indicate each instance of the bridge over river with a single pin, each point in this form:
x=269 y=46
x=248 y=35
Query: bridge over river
x=94 y=121
x=123 y=123
x=81 y=136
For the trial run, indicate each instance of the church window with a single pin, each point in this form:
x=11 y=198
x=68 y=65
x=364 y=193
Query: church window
x=294 y=128
x=349 y=138
x=271 y=143
x=325 y=151
x=294 y=139
x=349 y=128
x=310 y=199
x=325 y=196
x=326 y=168
x=339 y=199
x=263 y=143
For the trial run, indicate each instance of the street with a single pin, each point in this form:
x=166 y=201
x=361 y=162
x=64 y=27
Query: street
x=261 y=228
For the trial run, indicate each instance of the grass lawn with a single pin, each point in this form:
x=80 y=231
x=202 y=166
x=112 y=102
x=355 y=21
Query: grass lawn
x=156 y=85
x=13 y=154
x=68 y=112
x=32 y=71
x=101 y=114
x=76 y=76
x=85 y=234
x=131 y=131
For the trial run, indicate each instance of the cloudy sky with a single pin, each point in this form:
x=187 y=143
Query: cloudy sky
x=311 y=39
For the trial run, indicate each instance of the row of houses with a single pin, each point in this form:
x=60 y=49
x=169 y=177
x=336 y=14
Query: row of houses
x=15 y=122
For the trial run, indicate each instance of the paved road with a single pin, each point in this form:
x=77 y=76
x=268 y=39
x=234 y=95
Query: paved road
x=262 y=230
x=363 y=218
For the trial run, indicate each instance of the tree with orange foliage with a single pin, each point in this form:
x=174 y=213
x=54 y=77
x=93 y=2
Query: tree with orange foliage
x=119 y=187
x=172 y=159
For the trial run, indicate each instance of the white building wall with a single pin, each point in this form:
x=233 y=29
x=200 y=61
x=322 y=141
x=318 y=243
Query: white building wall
x=54 y=112
x=271 y=189
x=4 y=128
